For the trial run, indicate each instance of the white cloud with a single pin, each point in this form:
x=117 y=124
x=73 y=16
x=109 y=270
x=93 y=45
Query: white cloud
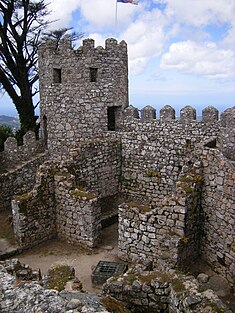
x=98 y=13
x=101 y=13
x=148 y=31
x=201 y=12
x=61 y=12
x=145 y=38
x=204 y=59
x=189 y=18
x=229 y=40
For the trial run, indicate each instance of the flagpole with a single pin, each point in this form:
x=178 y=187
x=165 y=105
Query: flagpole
x=116 y=18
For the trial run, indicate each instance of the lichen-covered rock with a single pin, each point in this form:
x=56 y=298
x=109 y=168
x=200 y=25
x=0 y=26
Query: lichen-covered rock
x=23 y=295
x=162 y=291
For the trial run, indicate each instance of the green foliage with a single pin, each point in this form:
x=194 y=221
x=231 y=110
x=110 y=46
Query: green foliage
x=62 y=33
x=5 y=132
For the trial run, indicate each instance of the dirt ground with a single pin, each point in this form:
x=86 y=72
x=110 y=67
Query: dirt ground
x=83 y=261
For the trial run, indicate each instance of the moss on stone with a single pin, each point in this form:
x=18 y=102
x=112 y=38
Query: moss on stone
x=142 y=208
x=178 y=285
x=113 y=305
x=24 y=202
x=198 y=179
x=184 y=240
x=147 y=278
x=80 y=193
x=151 y=173
x=24 y=197
x=59 y=275
x=185 y=179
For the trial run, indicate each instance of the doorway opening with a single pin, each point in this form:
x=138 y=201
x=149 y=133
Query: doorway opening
x=112 y=118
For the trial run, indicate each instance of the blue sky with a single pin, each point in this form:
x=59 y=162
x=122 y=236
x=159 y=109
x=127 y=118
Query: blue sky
x=181 y=52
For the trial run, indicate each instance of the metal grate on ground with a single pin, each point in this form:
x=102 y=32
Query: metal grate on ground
x=105 y=270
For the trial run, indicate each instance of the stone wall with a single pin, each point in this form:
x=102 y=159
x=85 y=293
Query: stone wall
x=14 y=154
x=78 y=215
x=34 y=216
x=18 y=180
x=55 y=207
x=96 y=164
x=228 y=133
x=162 y=292
x=218 y=201
x=154 y=151
x=169 y=231
x=81 y=91
x=71 y=192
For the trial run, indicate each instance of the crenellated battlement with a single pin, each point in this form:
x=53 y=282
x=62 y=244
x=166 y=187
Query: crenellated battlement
x=13 y=153
x=112 y=46
x=188 y=114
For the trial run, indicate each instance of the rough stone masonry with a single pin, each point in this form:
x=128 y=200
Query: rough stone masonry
x=174 y=177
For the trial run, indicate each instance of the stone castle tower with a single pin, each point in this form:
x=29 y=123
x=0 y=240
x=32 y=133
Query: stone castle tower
x=81 y=91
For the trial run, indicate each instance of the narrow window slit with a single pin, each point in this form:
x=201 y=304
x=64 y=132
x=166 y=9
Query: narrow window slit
x=56 y=75
x=93 y=74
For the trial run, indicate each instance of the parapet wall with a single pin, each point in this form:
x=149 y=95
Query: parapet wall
x=34 y=215
x=18 y=166
x=218 y=202
x=188 y=114
x=154 y=152
x=168 y=231
x=13 y=154
x=19 y=180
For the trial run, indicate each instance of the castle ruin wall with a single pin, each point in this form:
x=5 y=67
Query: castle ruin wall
x=155 y=152
x=81 y=90
x=14 y=154
x=78 y=214
x=34 y=216
x=165 y=291
x=169 y=231
x=18 y=180
x=218 y=201
x=76 y=188
x=96 y=164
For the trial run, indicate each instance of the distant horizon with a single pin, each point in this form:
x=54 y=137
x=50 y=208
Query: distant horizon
x=9 y=110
